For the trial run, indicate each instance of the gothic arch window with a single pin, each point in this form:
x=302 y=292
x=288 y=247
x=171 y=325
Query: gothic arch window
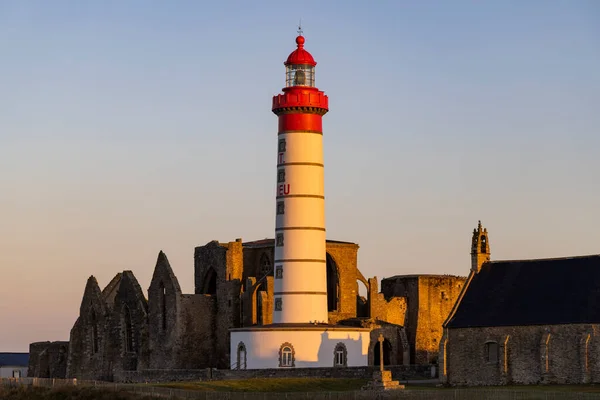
x=340 y=355
x=241 y=356
x=209 y=285
x=266 y=268
x=94 y=338
x=127 y=330
x=483 y=244
x=287 y=355
x=333 y=284
x=163 y=305
x=491 y=352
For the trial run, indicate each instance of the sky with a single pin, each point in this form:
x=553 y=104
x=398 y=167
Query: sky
x=130 y=127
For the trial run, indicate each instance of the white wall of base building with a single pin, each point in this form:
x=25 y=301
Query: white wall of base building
x=7 y=371
x=311 y=348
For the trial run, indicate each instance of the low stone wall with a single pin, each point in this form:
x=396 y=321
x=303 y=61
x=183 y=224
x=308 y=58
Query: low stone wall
x=399 y=372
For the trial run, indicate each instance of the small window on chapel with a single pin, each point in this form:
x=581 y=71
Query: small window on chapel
x=491 y=352
x=280 y=207
x=279 y=240
x=280 y=175
x=278 y=304
x=278 y=271
x=281 y=145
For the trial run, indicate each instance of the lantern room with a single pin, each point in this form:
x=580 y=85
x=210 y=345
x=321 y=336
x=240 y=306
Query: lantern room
x=300 y=66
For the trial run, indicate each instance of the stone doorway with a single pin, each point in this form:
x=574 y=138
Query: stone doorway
x=387 y=352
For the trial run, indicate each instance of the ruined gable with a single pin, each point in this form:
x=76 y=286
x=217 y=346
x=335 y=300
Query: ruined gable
x=128 y=326
x=89 y=335
x=164 y=306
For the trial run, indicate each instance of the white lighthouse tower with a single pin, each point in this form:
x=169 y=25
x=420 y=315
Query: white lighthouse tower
x=300 y=335
x=300 y=255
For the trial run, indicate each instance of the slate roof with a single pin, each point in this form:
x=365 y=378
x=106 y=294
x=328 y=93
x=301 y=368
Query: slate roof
x=14 y=359
x=532 y=292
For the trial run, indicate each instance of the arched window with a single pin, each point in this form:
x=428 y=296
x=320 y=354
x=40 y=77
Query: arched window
x=266 y=268
x=241 y=356
x=340 y=355
x=94 y=338
x=333 y=284
x=287 y=355
x=127 y=329
x=491 y=352
x=163 y=305
x=209 y=285
x=483 y=244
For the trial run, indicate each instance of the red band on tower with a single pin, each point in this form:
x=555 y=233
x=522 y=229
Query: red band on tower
x=300 y=122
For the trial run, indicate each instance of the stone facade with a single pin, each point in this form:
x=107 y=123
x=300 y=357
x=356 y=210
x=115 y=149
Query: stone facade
x=48 y=359
x=429 y=300
x=561 y=354
x=111 y=332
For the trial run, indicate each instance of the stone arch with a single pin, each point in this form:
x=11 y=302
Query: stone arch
x=333 y=284
x=483 y=244
x=492 y=350
x=162 y=295
x=387 y=353
x=209 y=285
x=287 y=355
x=241 y=356
x=340 y=355
x=265 y=266
x=127 y=328
x=362 y=303
x=94 y=331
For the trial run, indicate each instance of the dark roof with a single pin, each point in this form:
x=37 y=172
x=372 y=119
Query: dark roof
x=14 y=359
x=424 y=276
x=532 y=292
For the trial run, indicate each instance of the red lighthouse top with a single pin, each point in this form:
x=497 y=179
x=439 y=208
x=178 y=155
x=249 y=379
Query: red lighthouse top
x=300 y=94
x=300 y=56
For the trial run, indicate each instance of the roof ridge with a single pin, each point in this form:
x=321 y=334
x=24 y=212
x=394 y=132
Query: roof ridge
x=544 y=259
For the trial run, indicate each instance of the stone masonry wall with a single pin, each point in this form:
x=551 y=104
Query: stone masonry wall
x=399 y=372
x=437 y=295
x=89 y=335
x=429 y=300
x=344 y=256
x=196 y=336
x=164 y=314
x=48 y=359
x=561 y=354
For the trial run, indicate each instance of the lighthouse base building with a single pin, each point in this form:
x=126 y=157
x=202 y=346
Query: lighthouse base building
x=300 y=345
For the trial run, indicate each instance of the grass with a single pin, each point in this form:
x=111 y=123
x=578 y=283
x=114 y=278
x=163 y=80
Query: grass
x=65 y=393
x=272 y=385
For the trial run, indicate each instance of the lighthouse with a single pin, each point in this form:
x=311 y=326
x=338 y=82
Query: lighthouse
x=300 y=335
x=300 y=285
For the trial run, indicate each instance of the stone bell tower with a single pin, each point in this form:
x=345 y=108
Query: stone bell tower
x=480 y=248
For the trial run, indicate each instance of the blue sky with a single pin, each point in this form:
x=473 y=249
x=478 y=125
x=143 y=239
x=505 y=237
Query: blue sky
x=127 y=127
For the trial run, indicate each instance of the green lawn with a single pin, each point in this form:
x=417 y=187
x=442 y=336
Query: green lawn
x=338 y=385
x=272 y=385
